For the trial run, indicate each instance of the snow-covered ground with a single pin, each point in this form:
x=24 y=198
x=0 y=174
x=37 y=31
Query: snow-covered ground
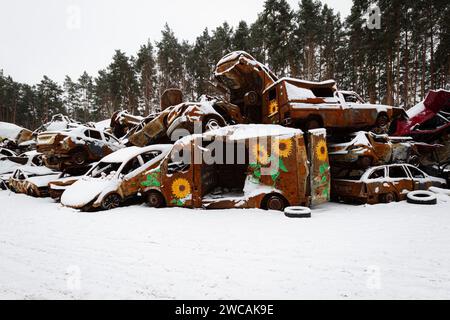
x=399 y=251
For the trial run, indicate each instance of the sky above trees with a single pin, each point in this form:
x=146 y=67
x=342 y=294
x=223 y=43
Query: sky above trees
x=66 y=37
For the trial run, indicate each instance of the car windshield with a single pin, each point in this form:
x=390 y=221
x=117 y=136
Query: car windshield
x=104 y=169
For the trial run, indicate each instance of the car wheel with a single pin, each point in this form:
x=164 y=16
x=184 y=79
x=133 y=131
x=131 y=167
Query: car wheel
x=422 y=197
x=274 y=202
x=111 y=201
x=155 y=199
x=365 y=162
x=388 y=198
x=79 y=158
x=312 y=124
x=211 y=124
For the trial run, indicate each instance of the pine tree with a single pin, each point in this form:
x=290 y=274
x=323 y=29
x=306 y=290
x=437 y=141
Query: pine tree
x=169 y=61
x=276 y=18
x=146 y=68
x=241 y=37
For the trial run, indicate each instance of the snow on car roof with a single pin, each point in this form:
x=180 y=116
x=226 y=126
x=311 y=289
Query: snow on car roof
x=245 y=131
x=125 y=154
x=9 y=130
x=309 y=84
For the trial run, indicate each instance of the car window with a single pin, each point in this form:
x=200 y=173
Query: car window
x=94 y=134
x=377 y=174
x=21 y=176
x=148 y=156
x=105 y=169
x=397 y=172
x=6 y=152
x=416 y=173
x=110 y=138
x=273 y=94
x=37 y=160
x=132 y=165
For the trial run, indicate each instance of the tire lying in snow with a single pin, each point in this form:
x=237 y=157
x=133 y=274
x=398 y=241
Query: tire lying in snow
x=297 y=212
x=422 y=197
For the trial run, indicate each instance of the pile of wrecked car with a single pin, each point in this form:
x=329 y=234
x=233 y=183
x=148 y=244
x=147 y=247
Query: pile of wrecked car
x=266 y=142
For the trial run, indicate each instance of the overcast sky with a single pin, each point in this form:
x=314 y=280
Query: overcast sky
x=59 y=37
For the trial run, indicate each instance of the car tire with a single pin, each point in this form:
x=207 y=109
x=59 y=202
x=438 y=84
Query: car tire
x=79 y=158
x=422 y=197
x=365 y=162
x=297 y=212
x=274 y=202
x=155 y=199
x=388 y=197
x=212 y=123
x=111 y=201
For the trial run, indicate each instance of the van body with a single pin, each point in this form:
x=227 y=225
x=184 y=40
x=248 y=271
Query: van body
x=242 y=166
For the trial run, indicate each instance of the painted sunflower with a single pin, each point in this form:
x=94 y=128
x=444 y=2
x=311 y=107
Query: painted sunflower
x=282 y=147
x=273 y=107
x=260 y=153
x=321 y=151
x=181 y=188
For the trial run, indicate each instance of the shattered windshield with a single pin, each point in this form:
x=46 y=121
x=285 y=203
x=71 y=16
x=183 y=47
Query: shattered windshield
x=104 y=169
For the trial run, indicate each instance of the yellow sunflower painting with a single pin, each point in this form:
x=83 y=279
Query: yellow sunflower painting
x=181 y=188
x=273 y=107
x=260 y=153
x=282 y=147
x=321 y=151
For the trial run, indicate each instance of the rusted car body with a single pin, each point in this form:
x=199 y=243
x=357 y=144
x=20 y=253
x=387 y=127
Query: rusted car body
x=32 y=181
x=381 y=184
x=67 y=178
x=115 y=179
x=428 y=120
x=184 y=119
x=10 y=164
x=242 y=166
x=122 y=122
x=264 y=98
x=367 y=149
x=58 y=122
x=75 y=147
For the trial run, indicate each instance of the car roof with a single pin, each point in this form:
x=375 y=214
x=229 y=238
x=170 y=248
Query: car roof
x=126 y=154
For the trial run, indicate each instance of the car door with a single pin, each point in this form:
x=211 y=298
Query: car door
x=420 y=179
x=177 y=179
x=400 y=180
x=130 y=186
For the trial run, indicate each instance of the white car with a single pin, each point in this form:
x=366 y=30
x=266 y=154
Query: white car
x=32 y=181
x=27 y=161
x=116 y=178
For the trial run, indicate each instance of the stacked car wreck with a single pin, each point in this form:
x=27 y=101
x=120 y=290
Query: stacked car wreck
x=265 y=142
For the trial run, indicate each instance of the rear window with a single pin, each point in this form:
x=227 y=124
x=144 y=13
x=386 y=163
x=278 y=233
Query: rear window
x=149 y=156
x=416 y=173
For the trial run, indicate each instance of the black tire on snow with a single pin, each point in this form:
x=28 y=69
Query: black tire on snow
x=422 y=197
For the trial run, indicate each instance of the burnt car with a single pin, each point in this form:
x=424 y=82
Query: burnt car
x=184 y=119
x=383 y=184
x=261 y=166
x=75 y=147
x=115 y=179
x=9 y=164
x=32 y=181
x=263 y=98
x=428 y=120
x=65 y=179
x=58 y=122
x=366 y=149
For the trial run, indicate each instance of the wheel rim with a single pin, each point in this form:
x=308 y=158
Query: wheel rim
x=78 y=158
x=275 y=203
x=389 y=198
x=383 y=121
x=111 y=202
x=154 y=200
x=212 y=124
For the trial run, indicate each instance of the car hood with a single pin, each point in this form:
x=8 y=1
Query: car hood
x=85 y=191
